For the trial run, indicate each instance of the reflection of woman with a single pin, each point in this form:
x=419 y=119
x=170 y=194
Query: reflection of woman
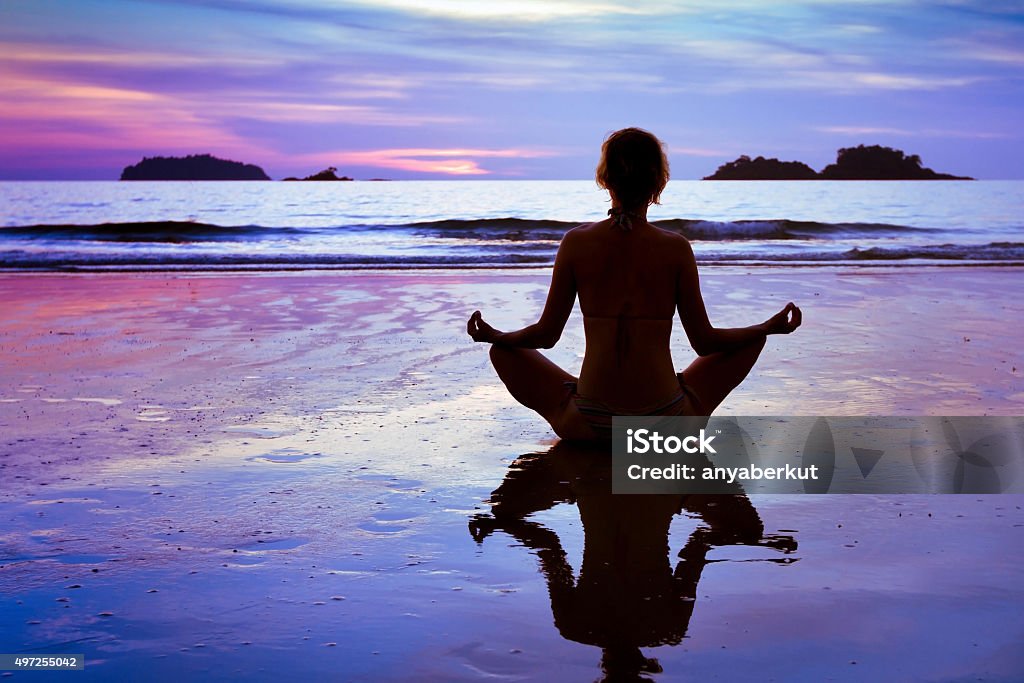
x=631 y=278
x=627 y=595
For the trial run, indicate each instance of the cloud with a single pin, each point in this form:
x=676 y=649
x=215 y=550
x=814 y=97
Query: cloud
x=508 y=10
x=720 y=64
x=264 y=109
x=863 y=130
x=454 y=161
x=752 y=55
x=520 y=11
x=674 y=150
x=67 y=117
x=1009 y=56
x=889 y=81
x=43 y=53
x=860 y=29
x=915 y=132
x=56 y=113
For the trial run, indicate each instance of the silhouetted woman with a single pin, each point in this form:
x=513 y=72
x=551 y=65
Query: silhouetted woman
x=631 y=278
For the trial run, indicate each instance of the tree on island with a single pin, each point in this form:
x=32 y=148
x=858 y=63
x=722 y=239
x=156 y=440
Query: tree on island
x=862 y=162
x=192 y=167
x=880 y=163
x=329 y=173
x=760 y=168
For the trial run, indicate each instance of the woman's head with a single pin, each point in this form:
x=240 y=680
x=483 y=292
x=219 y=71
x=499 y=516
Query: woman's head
x=633 y=167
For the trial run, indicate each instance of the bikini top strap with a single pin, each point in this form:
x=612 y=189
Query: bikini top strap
x=622 y=219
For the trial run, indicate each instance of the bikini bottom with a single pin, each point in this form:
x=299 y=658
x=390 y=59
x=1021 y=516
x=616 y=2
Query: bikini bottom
x=599 y=416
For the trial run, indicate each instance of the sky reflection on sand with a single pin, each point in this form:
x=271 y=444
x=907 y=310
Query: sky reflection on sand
x=413 y=435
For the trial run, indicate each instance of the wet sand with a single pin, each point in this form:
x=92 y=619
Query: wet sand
x=272 y=475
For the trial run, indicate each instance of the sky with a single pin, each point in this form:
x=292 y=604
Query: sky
x=504 y=89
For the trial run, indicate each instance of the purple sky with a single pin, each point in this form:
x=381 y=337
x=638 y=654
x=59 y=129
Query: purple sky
x=493 y=89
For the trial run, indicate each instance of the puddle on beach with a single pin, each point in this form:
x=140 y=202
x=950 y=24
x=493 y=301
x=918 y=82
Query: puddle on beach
x=61 y=501
x=285 y=455
x=261 y=431
x=276 y=544
x=358 y=408
x=382 y=528
x=159 y=413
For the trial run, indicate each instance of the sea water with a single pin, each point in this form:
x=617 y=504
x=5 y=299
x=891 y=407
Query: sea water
x=494 y=223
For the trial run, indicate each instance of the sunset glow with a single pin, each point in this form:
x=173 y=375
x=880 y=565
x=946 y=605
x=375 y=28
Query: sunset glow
x=524 y=88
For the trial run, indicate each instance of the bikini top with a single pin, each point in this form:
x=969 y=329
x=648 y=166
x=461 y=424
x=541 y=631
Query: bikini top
x=623 y=316
x=623 y=219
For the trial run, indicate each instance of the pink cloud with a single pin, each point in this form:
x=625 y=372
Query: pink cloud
x=454 y=161
x=45 y=115
x=49 y=118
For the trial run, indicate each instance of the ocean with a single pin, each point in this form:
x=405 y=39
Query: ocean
x=114 y=225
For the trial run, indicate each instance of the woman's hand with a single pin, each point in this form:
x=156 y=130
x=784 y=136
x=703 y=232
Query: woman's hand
x=481 y=331
x=785 y=321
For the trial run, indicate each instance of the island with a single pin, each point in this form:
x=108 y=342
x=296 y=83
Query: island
x=863 y=162
x=329 y=173
x=880 y=163
x=192 y=167
x=760 y=168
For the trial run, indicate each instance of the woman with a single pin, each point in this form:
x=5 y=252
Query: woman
x=631 y=278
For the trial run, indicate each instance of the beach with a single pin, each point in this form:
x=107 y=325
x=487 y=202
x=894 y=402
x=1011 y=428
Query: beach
x=267 y=474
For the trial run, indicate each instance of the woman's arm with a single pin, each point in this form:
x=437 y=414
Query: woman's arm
x=546 y=332
x=706 y=338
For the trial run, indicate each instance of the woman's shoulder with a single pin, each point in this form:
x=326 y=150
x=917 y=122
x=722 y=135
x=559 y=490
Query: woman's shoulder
x=670 y=238
x=581 y=233
x=598 y=229
x=585 y=228
x=669 y=235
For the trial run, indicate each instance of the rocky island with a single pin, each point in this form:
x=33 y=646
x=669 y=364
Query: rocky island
x=880 y=163
x=329 y=173
x=760 y=168
x=192 y=167
x=863 y=162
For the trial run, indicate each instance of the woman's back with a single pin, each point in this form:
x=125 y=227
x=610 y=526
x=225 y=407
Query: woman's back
x=630 y=278
x=626 y=282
